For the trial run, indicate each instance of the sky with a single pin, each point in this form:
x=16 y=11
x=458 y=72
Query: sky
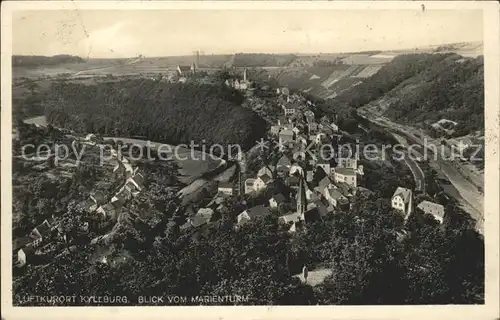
x=152 y=33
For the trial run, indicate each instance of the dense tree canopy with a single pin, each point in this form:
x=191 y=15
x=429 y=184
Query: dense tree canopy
x=172 y=113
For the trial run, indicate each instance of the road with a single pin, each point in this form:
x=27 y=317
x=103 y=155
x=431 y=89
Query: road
x=462 y=188
x=409 y=159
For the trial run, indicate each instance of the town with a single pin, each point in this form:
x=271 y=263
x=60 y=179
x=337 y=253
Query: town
x=299 y=188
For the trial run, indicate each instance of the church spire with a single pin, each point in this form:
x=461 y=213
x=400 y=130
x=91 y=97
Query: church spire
x=301 y=197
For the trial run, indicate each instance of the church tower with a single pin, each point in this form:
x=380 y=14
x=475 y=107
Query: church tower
x=245 y=75
x=301 y=199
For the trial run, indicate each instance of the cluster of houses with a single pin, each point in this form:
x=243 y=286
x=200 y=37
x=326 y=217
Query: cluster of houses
x=313 y=187
x=243 y=84
x=402 y=200
x=133 y=183
x=36 y=239
x=106 y=213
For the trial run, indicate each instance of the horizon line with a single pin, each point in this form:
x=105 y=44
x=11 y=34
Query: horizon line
x=479 y=42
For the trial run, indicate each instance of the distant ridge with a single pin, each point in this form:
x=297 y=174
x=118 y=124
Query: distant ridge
x=20 y=61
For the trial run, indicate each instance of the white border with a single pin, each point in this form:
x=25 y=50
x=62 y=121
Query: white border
x=490 y=310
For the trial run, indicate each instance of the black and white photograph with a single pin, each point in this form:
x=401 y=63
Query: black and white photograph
x=249 y=156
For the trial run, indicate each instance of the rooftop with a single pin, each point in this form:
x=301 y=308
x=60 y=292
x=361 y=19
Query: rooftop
x=225 y=185
x=432 y=208
x=345 y=171
x=403 y=193
x=257 y=211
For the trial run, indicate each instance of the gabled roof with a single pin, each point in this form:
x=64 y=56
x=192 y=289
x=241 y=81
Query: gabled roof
x=279 y=198
x=265 y=178
x=290 y=217
x=404 y=193
x=336 y=194
x=432 y=208
x=139 y=179
x=249 y=182
x=257 y=211
x=324 y=183
x=20 y=243
x=43 y=228
x=312 y=215
x=184 y=68
x=286 y=132
x=203 y=216
x=345 y=171
x=284 y=161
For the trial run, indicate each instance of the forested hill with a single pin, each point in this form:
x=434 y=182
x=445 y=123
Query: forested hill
x=423 y=88
x=163 y=112
x=34 y=61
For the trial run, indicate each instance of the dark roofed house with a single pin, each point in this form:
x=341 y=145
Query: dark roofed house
x=252 y=214
x=276 y=200
x=323 y=183
x=20 y=243
x=284 y=161
x=185 y=70
x=98 y=198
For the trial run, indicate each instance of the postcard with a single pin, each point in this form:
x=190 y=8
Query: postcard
x=253 y=159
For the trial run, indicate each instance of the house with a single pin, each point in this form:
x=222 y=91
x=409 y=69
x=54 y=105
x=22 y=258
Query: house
x=268 y=170
x=261 y=182
x=295 y=168
x=434 y=209
x=275 y=129
x=249 y=185
x=121 y=197
x=347 y=175
x=313 y=127
x=282 y=120
x=302 y=139
x=40 y=234
x=131 y=189
x=350 y=162
x=334 y=127
x=21 y=258
x=98 y=198
x=124 y=168
x=252 y=214
x=225 y=188
x=293 y=218
x=323 y=184
x=284 y=162
x=202 y=217
x=276 y=200
x=335 y=197
x=402 y=200
x=138 y=180
x=286 y=135
x=309 y=116
x=107 y=212
x=325 y=165
x=309 y=175
x=321 y=207
x=290 y=109
x=186 y=70
x=292 y=181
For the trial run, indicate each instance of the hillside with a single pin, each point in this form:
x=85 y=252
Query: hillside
x=35 y=61
x=171 y=113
